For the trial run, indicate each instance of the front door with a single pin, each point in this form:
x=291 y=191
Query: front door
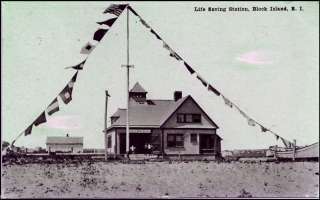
x=206 y=143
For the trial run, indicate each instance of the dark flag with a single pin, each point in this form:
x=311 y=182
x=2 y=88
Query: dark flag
x=53 y=107
x=189 y=68
x=175 y=55
x=41 y=119
x=115 y=9
x=66 y=93
x=27 y=131
x=277 y=137
x=87 y=48
x=263 y=129
x=78 y=66
x=133 y=11
x=98 y=35
x=108 y=22
x=213 y=90
x=204 y=83
x=227 y=101
x=144 y=23
x=154 y=33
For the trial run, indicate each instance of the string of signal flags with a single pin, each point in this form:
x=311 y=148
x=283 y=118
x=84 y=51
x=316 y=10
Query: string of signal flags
x=113 y=12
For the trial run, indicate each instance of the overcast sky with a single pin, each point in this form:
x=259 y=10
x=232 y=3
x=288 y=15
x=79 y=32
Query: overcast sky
x=265 y=62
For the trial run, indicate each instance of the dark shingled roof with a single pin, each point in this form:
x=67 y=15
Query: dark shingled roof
x=64 y=140
x=152 y=116
x=147 y=115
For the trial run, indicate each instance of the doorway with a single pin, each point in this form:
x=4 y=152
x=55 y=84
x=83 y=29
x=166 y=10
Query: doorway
x=138 y=140
x=206 y=143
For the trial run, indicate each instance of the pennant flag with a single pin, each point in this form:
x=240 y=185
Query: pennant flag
x=286 y=143
x=115 y=9
x=227 y=101
x=98 y=35
x=53 y=107
x=210 y=88
x=243 y=114
x=133 y=11
x=87 y=48
x=66 y=93
x=41 y=119
x=202 y=80
x=144 y=23
x=78 y=66
x=189 y=68
x=108 y=22
x=175 y=55
x=154 y=33
x=26 y=132
x=251 y=122
x=263 y=129
x=166 y=46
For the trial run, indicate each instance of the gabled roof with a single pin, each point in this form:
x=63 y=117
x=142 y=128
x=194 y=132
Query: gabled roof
x=152 y=116
x=137 y=88
x=64 y=140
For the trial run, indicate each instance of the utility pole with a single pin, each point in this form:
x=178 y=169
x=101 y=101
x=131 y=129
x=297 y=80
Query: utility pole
x=105 y=126
x=128 y=66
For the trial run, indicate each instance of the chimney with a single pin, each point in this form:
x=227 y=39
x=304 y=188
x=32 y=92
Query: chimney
x=177 y=95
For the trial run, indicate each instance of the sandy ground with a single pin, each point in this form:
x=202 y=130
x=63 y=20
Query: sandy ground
x=160 y=180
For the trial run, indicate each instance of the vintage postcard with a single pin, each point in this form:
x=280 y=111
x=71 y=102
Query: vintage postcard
x=160 y=99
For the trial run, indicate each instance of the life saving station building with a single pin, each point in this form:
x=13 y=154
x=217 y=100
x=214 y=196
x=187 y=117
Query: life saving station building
x=177 y=126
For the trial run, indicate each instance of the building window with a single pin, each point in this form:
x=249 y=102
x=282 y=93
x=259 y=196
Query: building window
x=188 y=118
x=193 y=138
x=175 y=140
x=196 y=118
x=180 y=118
x=109 y=140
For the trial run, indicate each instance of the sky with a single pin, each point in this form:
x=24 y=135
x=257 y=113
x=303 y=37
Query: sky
x=265 y=62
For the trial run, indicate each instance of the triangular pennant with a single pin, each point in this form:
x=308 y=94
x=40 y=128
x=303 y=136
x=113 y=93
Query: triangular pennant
x=108 y=22
x=204 y=83
x=166 y=46
x=251 y=122
x=154 y=33
x=189 y=68
x=98 y=35
x=263 y=129
x=66 y=93
x=175 y=55
x=227 y=101
x=87 y=48
x=144 y=23
x=53 y=107
x=115 y=9
x=210 y=88
x=26 y=132
x=78 y=66
x=41 y=119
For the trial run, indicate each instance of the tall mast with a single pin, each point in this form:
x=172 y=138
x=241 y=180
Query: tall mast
x=128 y=66
x=128 y=62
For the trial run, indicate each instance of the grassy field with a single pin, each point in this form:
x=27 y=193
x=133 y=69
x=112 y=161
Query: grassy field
x=160 y=180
